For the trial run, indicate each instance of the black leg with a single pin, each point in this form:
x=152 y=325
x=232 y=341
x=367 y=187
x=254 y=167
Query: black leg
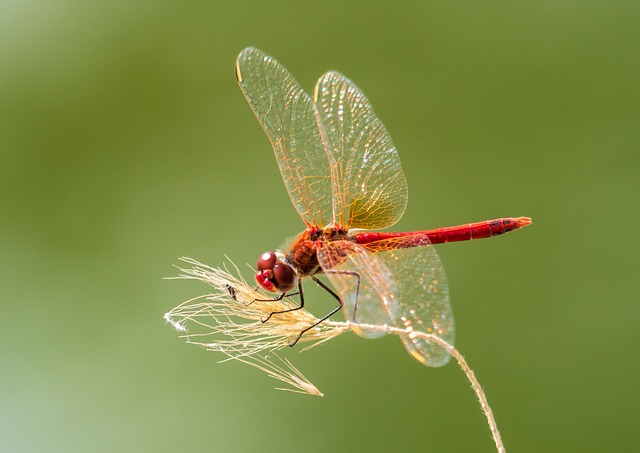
x=335 y=310
x=280 y=297
x=353 y=274
x=315 y=324
x=275 y=299
x=301 y=294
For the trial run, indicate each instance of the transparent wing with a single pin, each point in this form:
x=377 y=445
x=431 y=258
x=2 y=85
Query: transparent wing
x=402 y=287
x=286 y=114
x=369 y=187
x=358 y=279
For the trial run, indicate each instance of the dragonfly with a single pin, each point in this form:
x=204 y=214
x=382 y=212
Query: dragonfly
x=344 y=177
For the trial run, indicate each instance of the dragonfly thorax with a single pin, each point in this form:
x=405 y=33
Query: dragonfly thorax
x=303 y=251
x=274 y=273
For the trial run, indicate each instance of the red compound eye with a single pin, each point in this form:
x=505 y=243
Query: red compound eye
x=267 y=260
x=284 y=276
x=265 y=283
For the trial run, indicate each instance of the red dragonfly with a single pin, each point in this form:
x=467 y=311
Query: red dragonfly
x=344 y=177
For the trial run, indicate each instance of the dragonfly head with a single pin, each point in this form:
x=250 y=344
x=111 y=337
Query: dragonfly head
x=274 y=274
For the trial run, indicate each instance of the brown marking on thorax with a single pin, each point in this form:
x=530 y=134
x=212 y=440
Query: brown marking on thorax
x=303 y=253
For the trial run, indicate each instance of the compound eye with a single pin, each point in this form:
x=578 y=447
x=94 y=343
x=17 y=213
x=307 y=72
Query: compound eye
x=267 y=260
x=265 y=282
x=285 y=277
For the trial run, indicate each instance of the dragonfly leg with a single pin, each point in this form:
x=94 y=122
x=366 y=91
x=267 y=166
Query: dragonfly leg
x=274 y=299
x=353 y=274
x=333 y=312
x=280 y=297
x=330 y=291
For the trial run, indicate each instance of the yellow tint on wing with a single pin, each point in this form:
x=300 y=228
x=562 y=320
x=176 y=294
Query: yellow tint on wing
x=368 y=185
x=287 y=116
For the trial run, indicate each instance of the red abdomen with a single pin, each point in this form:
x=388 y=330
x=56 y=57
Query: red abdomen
x=465 y=232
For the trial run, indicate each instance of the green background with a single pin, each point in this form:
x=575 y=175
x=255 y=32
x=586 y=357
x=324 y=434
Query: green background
x=125 y=144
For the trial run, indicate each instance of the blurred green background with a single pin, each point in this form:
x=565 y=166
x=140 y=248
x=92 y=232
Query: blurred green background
x=125 y=144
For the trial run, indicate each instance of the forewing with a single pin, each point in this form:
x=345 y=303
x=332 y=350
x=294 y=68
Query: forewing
x=423 y=295
x=287 y=116
x=369 y=187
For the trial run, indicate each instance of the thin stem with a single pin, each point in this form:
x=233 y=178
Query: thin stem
x=470 y=376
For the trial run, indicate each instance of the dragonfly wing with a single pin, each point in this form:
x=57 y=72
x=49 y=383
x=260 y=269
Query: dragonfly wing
x=286 y=114
x=364 y=284
x=423 y=295
x=404 y=281
x=369 y=186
